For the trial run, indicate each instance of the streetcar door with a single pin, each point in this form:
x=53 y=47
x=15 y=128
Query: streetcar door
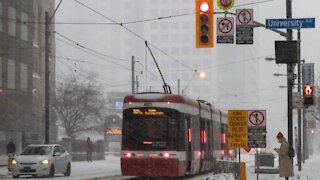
x=189 y=146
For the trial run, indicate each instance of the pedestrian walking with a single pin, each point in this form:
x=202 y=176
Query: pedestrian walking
x=11 y=149
x=89 y=149
x=285 y=162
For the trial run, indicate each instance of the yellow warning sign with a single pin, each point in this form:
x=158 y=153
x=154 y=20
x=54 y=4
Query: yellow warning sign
x=237 y=129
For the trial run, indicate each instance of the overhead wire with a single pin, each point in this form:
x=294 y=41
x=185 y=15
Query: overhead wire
x=93 y=52
x=159 y=18
x=143 y=20
x=134 y=33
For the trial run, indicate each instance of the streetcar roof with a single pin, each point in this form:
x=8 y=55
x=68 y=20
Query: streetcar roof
x=168 y=98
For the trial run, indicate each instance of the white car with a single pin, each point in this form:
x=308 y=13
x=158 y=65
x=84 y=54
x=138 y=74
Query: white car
x=42 y=160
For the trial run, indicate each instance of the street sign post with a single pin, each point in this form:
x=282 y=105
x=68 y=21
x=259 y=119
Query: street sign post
x=244 y=26
x=290 y=23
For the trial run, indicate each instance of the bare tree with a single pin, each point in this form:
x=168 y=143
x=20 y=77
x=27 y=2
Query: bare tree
x=80 y=104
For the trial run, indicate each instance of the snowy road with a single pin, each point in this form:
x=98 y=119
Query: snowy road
x=86 y=170
x=109 y=169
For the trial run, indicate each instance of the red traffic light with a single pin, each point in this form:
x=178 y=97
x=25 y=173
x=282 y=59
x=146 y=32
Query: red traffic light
x=204 y=7
x=204 y=24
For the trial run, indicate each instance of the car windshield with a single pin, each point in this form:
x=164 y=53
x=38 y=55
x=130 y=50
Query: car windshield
x=37 y=150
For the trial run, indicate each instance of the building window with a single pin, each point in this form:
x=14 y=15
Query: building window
x=11 y=74
x=23 y=77
x=1 y=14
x=12 y=22
x=24 y=27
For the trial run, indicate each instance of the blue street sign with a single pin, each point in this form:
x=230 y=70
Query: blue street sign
x=290 y=23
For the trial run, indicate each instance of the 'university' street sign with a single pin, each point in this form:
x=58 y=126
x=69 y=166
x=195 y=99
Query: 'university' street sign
x=290 y=23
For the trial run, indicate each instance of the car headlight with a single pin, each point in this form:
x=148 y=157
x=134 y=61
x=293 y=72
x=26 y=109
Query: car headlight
x=45 y=162
x=14 y=162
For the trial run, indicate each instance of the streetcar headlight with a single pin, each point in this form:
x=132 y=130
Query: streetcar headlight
x=166 y=155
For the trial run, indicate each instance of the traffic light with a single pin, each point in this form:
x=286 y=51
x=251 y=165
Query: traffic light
x=308 y=95
x=204 y=24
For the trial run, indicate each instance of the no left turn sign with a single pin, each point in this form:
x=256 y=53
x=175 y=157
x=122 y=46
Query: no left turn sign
x=225 y=26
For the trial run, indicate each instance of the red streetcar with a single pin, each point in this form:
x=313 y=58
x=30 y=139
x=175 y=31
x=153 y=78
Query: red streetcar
x=167 y=135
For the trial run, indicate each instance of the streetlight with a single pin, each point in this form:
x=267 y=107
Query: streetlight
x=201 y=74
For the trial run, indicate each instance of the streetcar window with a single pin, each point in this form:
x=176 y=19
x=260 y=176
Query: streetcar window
x=156 y=125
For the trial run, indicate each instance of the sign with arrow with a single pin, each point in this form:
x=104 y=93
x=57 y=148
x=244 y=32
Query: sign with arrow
x=225 y=30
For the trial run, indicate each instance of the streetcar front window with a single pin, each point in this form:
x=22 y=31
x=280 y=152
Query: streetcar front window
x=142 y=131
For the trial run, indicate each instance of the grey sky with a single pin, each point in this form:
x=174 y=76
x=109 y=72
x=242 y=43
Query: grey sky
x=231 y=89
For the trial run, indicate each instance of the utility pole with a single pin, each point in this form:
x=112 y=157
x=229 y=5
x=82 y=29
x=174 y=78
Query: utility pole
x=47 y=73
x=305 y=134
x=132 y=74
x=299 y=109
x=290 y=77
x=137 y=84
x=47 y=78
x=178 y=86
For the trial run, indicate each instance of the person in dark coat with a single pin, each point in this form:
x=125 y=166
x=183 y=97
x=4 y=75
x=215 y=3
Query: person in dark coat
x=285 y=162
x=89 y=149
x=11 y=149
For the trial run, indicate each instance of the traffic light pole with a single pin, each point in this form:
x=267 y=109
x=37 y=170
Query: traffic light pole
x=290 y=78
x=305 y=139
x=290 y=67
x=299 y=109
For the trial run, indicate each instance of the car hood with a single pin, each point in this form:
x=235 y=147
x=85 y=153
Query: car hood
x=31 y=158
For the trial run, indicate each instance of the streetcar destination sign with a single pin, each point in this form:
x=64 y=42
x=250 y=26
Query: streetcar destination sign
x=290 y=23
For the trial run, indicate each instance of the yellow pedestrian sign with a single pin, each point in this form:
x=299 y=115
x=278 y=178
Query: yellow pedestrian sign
x=237 y=129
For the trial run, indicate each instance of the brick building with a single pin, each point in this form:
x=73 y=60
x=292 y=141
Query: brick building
x=22 y=72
